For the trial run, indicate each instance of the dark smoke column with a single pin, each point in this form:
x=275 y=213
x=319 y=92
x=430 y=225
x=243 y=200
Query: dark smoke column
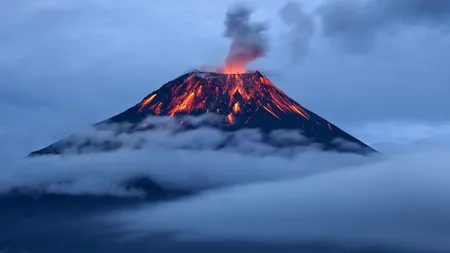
x=248 y=41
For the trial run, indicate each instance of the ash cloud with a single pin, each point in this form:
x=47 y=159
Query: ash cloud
x=356 y=24
x=302 y=28
x=248 y=39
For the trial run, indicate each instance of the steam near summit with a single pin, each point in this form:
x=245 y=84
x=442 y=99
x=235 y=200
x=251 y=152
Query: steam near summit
x=248 y=39
x=243 y=99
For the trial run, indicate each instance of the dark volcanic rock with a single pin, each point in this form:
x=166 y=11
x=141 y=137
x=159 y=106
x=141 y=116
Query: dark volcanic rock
x=245 y=101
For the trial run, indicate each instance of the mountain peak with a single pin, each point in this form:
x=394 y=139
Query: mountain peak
x=236 y=96
x=244 y=100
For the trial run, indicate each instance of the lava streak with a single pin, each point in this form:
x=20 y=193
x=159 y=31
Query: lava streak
x=248 y=39
x=146 y=102
x=236 y=96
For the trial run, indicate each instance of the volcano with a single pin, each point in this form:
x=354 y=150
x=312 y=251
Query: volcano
x=244 y=101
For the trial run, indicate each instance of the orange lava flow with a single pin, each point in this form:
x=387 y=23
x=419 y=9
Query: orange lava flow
x=236 y=108
x=231 y=95
x=185 y=105
x=230 y=119
x=146 y=102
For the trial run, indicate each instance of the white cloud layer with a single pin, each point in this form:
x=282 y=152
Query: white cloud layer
x=397 y=201
x=187 y=160
x=402 y=202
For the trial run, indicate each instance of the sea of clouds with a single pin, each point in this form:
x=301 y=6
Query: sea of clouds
x=401 y=202
x=185 y=160
x=253 y=192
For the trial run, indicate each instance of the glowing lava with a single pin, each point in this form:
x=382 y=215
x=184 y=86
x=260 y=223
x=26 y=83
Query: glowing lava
x=237 y=59
x=146 y=102
x=246 y=101
x=232 y=95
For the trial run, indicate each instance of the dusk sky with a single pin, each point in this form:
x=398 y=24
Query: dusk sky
x=377 y=67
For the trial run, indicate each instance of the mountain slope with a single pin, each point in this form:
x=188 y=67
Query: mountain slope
x=246 y=101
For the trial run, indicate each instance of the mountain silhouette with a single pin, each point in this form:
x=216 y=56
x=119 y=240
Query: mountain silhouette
x=245 y=101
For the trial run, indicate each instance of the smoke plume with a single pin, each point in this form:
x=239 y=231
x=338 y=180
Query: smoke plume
x=302 y=28
x=248 y=40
